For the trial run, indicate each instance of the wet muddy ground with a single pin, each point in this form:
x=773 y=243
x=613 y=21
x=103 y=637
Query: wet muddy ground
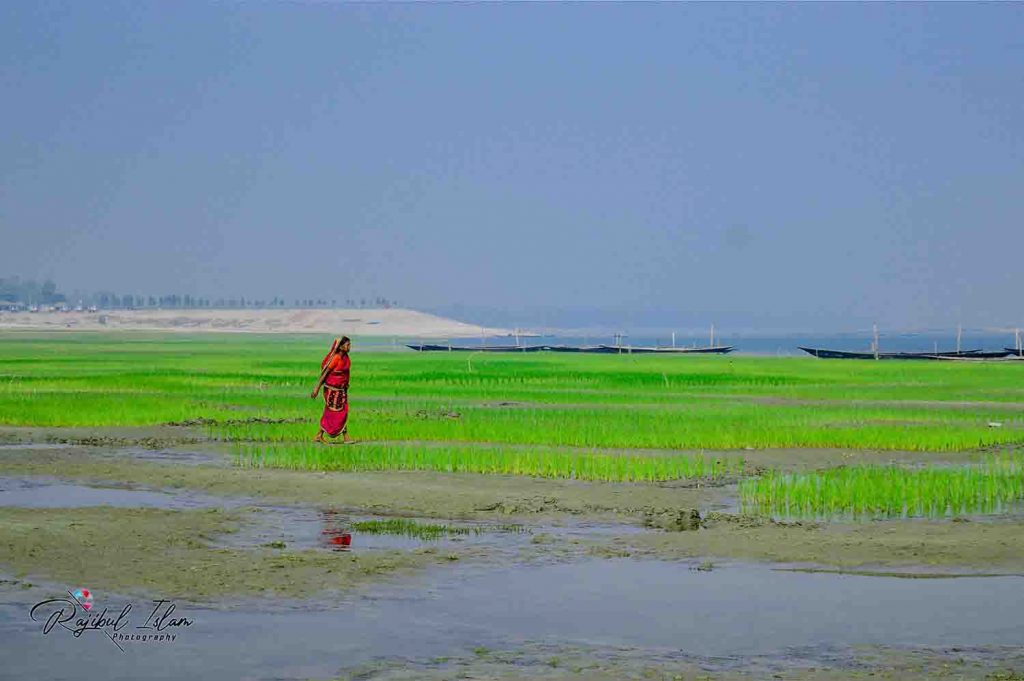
x=530 y=578
x=733 y=619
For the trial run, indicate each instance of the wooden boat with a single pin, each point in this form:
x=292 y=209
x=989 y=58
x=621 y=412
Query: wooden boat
x=623 y=349
x=595 y=349
x=600 y=349
x=980 y=354
x=953 y=354
x=842 y=354
x=476 y=348
x=976 y=356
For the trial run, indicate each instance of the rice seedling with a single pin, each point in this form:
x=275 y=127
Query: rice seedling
x=888 y=491
x=719 y=426
x=541 y=463
x=254 y=389
x=408 y=528
x=428 y=531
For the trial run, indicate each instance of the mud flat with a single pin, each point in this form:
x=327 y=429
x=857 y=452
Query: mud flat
x=592 y=587
x=915 y=547
x=605 y=619
x=608 y=663
x=412 y=493
x=697 y=518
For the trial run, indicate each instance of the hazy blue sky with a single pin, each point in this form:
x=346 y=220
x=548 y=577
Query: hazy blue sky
x=785 y=165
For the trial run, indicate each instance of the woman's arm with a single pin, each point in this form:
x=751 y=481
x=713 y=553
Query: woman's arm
x=323 y=377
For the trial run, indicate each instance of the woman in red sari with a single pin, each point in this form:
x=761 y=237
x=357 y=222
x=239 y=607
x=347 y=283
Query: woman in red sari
x=334 y=374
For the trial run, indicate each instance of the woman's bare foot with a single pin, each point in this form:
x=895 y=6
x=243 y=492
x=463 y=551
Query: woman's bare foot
x=319 y=437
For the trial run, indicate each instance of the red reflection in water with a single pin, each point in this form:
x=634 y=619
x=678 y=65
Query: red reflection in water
x=334 y=533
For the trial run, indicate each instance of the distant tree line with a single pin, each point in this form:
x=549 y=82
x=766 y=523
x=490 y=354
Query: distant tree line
x=27 y=292
x=109 y=300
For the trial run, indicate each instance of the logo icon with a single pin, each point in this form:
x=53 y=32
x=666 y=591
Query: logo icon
x=84 y=598
x=159 y=627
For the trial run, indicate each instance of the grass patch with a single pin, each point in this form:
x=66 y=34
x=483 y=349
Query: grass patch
x=255 y=389
x=427 y=531
x=490 y=460
x=888 y=491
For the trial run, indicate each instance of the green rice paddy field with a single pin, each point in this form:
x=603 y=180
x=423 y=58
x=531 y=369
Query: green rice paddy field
x=591 y=417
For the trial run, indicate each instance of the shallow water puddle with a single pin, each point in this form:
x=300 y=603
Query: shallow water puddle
x=267 y=526
x=164 y=455
x=38 y=492
x=175 y=456
x=720 y=617
x=305 y=528
x=737 y=609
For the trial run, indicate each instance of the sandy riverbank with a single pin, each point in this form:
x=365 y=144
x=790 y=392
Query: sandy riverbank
x=354 y=322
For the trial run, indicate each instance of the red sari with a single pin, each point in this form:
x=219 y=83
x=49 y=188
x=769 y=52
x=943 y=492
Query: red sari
x=335 y=394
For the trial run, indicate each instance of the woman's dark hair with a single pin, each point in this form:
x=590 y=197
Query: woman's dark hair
x=344 y=339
